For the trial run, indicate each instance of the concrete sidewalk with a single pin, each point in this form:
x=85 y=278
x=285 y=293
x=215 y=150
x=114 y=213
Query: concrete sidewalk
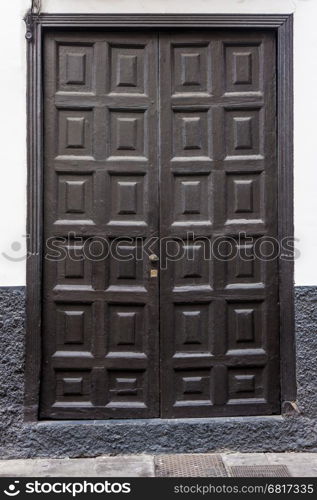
x=229 y=464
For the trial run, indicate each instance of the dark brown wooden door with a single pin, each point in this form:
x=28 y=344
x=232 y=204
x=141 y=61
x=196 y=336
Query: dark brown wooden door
x=100 y=325
x=219 y=315
x=162 y=144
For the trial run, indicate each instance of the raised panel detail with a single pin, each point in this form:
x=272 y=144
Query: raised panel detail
x=73 y=264
x=191 y=268
x=75 y=68
x=73 y=387
x=193 y=328
x=246 y=325
x=242 y=130
x=74 y=268
x=127 y=198
x=126 y=387
x=126 y=264
x=192 y=387
x=246 y=383
x=128 y=69
x=126 y=328
x=75 y=132
x=192 y=134
x=75 y=198
x=244 y=268
x=242 y=65
x=191 y=197
x=191 y=68
x=242 y=68
x=192 y=200
x=243 y=133
x=74 y=327
x=127 y=136
x=244 y=195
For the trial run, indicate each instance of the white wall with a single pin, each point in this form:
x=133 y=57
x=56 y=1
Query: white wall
x=13 y=122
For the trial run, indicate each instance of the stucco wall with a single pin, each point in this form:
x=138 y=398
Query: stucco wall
x=13 y=123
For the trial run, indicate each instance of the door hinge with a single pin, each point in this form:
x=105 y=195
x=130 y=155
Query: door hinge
x=31 y=18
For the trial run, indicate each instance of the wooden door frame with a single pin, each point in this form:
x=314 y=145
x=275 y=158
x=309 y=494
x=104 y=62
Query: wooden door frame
x=37 y=25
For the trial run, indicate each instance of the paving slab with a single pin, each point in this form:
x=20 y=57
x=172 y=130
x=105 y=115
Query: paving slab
x=125 y=466
x=119 y=466
x=232 y=459
x=292 y=458
x=298 y=464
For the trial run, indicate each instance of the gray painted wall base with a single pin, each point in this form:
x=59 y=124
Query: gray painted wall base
x=88 y=439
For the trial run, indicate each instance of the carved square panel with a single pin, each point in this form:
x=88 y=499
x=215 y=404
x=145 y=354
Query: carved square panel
x=73 y=386
x=75 y=68
x=128 y=71
x=192 y=136
x=245 y=324
x=245 y=196
x=191 y=70
x=191 y=263
x=74 y=326
x=75 y=132
x=193 y=328
x=192 y=386
x=244 y=269
x=74 y=265
x=128 y=197
x=126 y=324
x=126 y=387
x=192 y=199
x=75 y=198
x=242 y=68
x=243 y=135
x=128 y=134
x=246 y=383
x=127 y=263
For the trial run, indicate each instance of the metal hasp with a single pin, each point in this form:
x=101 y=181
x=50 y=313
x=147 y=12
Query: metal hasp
x=30 y=17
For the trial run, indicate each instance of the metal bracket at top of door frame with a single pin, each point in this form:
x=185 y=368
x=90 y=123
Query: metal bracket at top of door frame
x=31 y=18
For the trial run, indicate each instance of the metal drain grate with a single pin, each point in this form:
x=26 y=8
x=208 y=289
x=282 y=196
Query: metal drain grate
x=259 y=471
x=198 y=465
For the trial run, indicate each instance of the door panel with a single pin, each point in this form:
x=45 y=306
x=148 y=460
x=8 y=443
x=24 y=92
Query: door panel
x=100 y=321
x=219 y=317
x=168 y=135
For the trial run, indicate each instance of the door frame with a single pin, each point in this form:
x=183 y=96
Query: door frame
x=37 y=25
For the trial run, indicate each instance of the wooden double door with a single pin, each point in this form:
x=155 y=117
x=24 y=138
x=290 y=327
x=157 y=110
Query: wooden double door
x=160 y=197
